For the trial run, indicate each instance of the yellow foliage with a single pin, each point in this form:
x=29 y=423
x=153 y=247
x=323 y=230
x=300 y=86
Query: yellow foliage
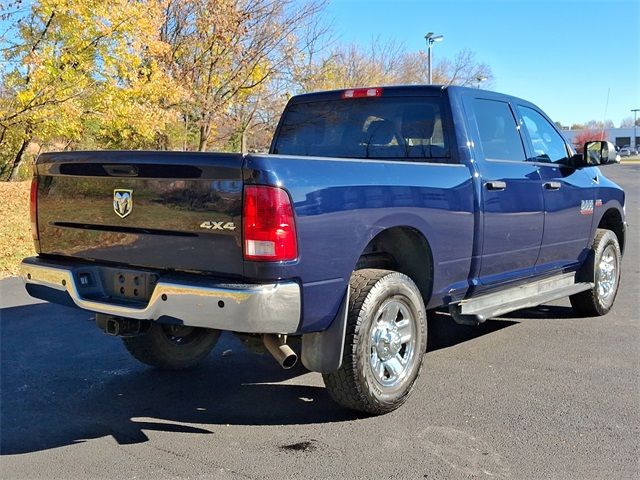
x=132 y=73
x=84 y=63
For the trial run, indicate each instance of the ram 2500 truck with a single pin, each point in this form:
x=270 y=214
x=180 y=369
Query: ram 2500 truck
x=373 y=207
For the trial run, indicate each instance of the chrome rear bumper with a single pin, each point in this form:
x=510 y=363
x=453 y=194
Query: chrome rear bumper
x=248 y=308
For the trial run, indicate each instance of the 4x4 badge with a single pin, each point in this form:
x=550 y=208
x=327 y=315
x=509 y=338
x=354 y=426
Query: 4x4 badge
x=122 y=202
x=218 y=225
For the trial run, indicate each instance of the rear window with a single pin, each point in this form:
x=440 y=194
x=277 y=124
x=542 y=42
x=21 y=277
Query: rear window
x=392 y=127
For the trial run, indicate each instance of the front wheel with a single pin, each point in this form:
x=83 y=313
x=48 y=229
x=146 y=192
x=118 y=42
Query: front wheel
x=604 y=268
x=172 y=347
x=384 y=345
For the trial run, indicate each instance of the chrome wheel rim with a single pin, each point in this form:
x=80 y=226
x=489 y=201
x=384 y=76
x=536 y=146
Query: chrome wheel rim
x=607 y=275
x=392 y=343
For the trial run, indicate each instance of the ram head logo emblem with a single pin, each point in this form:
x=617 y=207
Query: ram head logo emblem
x=122 y=202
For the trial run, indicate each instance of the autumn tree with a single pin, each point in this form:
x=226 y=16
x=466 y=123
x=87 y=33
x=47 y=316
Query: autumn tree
x=387 y=63
x=627 y=122
x=223 y=52
x=79 y=68
x=179 y=74
x=588 y=135
x=463 y=69
x=598 y=124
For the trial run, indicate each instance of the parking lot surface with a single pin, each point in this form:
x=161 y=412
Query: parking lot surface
x=536 y=394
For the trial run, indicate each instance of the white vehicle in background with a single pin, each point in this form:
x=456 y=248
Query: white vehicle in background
x=625 y=152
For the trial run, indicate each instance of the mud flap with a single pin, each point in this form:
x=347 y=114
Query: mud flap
x=322 y=351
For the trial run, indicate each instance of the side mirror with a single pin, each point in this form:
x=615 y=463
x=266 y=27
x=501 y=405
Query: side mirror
x=599 y=153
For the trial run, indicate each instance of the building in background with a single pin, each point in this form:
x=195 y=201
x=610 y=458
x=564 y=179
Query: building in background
x=619 y=136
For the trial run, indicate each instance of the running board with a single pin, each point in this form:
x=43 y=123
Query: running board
x=472 y=311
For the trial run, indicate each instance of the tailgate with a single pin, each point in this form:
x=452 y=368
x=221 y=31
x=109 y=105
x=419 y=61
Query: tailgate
x=165 y=210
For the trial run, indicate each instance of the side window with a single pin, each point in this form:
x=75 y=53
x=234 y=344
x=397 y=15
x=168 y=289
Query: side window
x=498 y=131
x=548 y=145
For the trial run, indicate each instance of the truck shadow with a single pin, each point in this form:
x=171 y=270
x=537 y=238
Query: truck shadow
x=62 y=382
x=444 y=332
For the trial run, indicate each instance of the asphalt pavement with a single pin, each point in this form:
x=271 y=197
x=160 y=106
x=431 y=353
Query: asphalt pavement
x=536 y=394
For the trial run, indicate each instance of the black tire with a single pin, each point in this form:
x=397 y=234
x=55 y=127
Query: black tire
x=358 y=384
x=170 y=347
x=599 y=300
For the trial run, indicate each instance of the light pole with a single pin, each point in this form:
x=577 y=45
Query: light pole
x=480 y=79
x=635 y=136
x=431 y=38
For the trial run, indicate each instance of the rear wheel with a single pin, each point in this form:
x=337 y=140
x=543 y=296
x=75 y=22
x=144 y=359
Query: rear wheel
x=172 y=347
x=385 y=341
x=603 y=268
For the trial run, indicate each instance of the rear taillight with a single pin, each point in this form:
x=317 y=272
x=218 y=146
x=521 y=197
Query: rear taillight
x=268 y=225
x=33 y=209
x=362 y=93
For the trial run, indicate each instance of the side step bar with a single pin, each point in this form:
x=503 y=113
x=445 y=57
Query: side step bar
x=475 y=310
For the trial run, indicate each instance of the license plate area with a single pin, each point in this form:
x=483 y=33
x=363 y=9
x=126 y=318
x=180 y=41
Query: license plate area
x=133 y=285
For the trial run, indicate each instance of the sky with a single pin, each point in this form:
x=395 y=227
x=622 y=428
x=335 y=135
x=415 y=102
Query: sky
x=566 y=56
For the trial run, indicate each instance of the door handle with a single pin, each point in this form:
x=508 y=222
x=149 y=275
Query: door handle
x=496 y=185
x=552 y=185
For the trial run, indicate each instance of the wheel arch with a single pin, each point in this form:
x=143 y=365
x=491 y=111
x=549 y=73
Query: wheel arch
x=612 y=220
x=403 y=249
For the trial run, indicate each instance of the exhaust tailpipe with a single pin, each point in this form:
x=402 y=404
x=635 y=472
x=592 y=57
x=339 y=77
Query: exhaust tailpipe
x=277 y=346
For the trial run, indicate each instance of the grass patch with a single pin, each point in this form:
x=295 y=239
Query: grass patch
x=15 y=228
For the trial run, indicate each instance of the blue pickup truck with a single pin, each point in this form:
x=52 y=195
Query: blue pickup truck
x=373 y=207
